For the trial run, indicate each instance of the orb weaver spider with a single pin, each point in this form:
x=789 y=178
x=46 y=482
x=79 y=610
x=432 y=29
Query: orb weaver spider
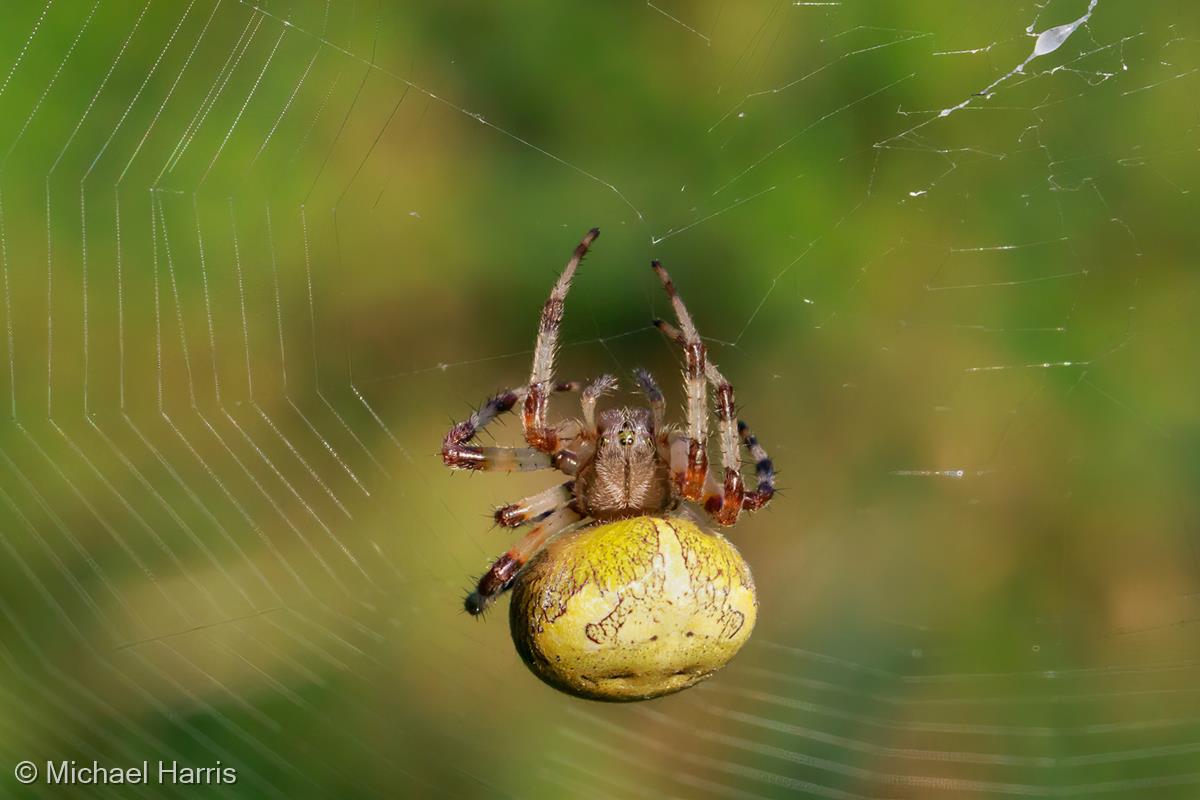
x=622 y=463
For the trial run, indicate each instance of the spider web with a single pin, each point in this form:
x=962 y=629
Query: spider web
x=256 y=254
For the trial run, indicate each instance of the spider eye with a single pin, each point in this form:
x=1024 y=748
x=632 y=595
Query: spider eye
x=625 y=437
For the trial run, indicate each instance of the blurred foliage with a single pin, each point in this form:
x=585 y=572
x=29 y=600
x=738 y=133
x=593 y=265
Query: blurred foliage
x=256 y=258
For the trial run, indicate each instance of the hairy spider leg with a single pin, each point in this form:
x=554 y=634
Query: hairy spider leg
x=764 y=470
x=691 y=481
x=537 y=400
x=459 y=453
x=729 y=505
x=535 y=506
x=503 y=571
x=725 y=501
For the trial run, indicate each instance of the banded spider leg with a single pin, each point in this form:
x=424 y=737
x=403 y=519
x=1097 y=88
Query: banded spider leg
x=549 y=511
x=722 y=500
x=546 y=443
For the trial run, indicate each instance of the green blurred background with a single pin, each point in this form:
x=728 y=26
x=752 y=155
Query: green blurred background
x=256 y=258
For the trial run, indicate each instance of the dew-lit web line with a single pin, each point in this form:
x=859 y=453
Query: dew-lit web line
x=370 y=66
x=161 y=460
x=312 y=328
x=450 y=104
x=50 y=353
x=743 y=775
x=350 y=362
x=284 y=110
x=312 y=473
x=333 y=215
x=1105 y=728
x=49 y=231
x=1063 y=31
x=156 y=221
x=283 y=363
x=37 y=26
x=99 y=659
x=9 y=335
x=680 y=23
x=904 y=36
x=158 y=226
x=166 y=98
x=220 y=81
x=615 y=739
x=68 y=683
x=208 y=468
x=160 y=221
x=49 y=84
x=779 y=147
x=82 y=203
x=159 y=481
x=242 y=110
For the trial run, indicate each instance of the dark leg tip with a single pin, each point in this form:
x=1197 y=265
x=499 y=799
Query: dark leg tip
x=475 y=604
x=594 y=232
x=509 y=516
x=656 y=264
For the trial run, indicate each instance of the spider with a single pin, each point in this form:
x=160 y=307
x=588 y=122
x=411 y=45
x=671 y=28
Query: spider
x=621 y=463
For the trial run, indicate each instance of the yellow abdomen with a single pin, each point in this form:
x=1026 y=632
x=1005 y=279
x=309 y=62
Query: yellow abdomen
x=633 y=609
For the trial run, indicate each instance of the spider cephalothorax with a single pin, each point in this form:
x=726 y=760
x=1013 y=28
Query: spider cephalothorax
x=625 y=477
x=621 y=463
